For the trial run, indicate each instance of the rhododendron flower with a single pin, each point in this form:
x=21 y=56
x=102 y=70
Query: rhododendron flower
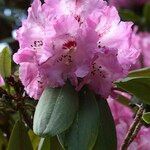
x=1 y=81
x=104 y=71
x=142 y=41
x=81 y=41
x=123 y=118
x=145 y=47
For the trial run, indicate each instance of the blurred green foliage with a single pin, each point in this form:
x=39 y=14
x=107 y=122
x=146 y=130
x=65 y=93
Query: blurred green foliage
x=11 y=14
x=138 y=15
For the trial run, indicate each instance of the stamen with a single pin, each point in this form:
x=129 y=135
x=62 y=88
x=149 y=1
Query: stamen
x=67 y=57
x=37 y=44
x=97 y=70
x=69 y=45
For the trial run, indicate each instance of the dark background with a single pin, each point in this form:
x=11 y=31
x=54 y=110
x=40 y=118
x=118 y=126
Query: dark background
x=11 y=14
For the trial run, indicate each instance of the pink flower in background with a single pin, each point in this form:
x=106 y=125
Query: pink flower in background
x=136 y=41
x=1 y=81
x=81 y=41
x=123 y=118
x=145 y=47
x=142 y=42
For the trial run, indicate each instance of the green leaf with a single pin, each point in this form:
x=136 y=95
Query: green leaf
x=107 y=139
x=138 y=86
x=146 y=117
x=84 y=130
x=55 y=111
x=144 y=72
x=45 y=144
x=5 y=62
x=49 y=143
x=34 y=139
x=123 y=100
x=134 y=101
x=19 y=139
x=55 y=145
x=146 y=14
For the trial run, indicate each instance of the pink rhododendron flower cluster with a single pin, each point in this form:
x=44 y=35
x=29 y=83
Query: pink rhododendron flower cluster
x=1 y=81
x=145 y=47
x=127 y=3
x=142 y=42
x=123 y=117
x=81 y=41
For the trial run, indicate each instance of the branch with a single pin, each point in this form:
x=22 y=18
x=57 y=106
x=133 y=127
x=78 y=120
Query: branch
x=133 y=130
